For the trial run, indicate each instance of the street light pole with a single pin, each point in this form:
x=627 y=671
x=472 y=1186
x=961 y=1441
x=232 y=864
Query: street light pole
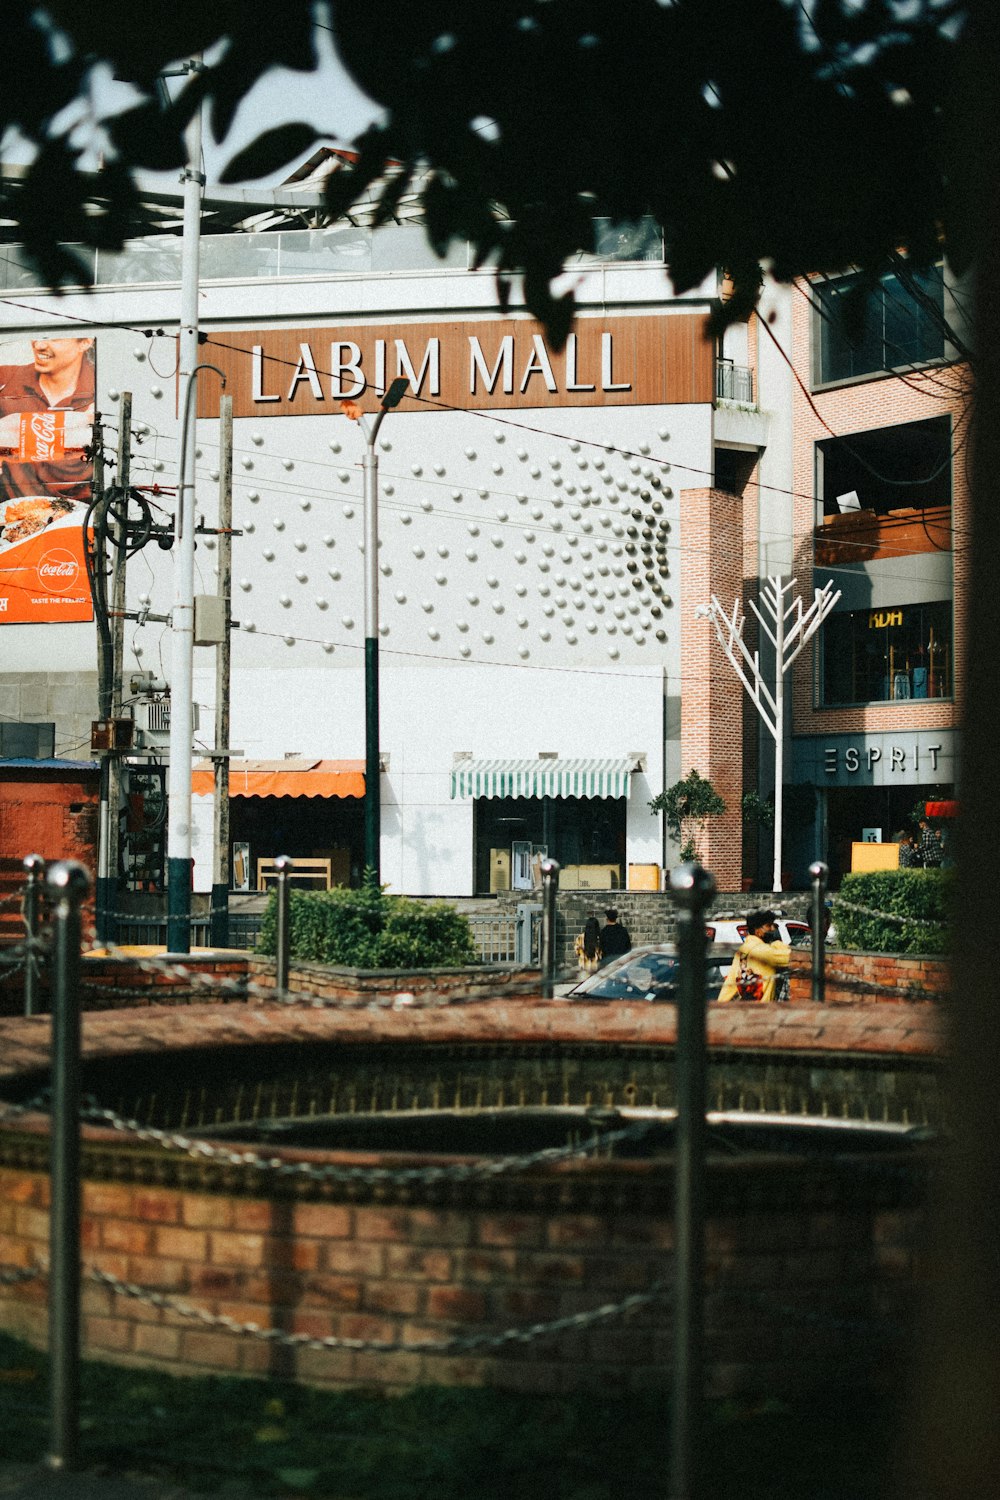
x=182 y=614
x=373 y=790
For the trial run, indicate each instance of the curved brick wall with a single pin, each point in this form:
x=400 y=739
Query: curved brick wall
x=810 y=1262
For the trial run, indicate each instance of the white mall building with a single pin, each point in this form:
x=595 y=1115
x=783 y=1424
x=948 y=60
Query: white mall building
x=535 y=546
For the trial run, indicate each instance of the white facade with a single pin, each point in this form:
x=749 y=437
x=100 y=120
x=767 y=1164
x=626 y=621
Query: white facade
x=511 y=623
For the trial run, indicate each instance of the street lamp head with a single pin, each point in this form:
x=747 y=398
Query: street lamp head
x=395 y=393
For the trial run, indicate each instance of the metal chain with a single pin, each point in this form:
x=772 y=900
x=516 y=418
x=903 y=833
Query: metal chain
x=38 y=1105
x=9 y=902
x=14 y=1275
x=193 y=920
x=886 y=916
x=242 y=989
x=459 y=1345
x=460 y=1172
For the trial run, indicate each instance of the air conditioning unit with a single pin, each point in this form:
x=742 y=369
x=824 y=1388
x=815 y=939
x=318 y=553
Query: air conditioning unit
x=153 y=720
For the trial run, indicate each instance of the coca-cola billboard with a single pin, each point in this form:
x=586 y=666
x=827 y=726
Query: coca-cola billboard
x=46 y=474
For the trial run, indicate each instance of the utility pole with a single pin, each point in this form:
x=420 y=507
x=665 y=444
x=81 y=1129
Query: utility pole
x=182 y=616
x=219 y=916
x=123 y=474
x=373 y=765
x=104 y=898
x=788 y=628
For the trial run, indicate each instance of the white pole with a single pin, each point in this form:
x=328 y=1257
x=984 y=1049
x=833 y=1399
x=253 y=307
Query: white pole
x=779 y=723
x=182 y=617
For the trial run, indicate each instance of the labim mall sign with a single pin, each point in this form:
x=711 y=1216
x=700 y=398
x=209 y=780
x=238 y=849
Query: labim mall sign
x=487 y=363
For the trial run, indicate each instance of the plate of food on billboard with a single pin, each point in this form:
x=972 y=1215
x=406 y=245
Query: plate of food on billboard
x=46 y=474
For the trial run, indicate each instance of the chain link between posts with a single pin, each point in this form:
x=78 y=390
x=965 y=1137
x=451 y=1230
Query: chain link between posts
x=369 y=1176
x=886 y=916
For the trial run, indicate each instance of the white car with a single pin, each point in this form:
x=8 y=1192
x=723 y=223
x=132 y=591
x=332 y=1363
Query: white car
x=732 y=930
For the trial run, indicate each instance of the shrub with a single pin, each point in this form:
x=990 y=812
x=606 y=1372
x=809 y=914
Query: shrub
x=688 y=805
x=923 y=895
x=366 y=929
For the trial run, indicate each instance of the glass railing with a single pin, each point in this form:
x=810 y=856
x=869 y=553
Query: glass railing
x=340 y=250
x=733 y=382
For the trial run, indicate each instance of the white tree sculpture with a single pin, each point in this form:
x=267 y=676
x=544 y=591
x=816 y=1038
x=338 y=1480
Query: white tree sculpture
x=788 y=627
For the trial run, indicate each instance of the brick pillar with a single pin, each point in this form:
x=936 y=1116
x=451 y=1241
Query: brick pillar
x=711 y=693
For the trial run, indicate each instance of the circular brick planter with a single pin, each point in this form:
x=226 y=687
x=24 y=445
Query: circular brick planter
x=810 y=1255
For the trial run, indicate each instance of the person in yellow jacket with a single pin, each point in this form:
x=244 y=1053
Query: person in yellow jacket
x=759 y=959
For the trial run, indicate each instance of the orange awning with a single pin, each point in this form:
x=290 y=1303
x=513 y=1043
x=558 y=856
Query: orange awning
x=941 y=809
x=285 y=778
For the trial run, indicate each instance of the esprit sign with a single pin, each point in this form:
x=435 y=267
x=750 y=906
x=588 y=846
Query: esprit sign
x=487 y=363
x=898 y=758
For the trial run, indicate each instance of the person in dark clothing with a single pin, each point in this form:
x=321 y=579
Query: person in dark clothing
x=614 y=937
x=929 y=846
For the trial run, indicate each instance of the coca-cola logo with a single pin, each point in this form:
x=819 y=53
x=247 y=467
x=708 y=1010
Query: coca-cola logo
x=57 y=571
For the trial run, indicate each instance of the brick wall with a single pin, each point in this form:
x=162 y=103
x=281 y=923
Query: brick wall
x=873 y=977
x=712 y=541
x=810 y=1268
x=868 y=404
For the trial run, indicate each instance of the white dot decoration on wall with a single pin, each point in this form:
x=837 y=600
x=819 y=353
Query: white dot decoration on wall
x=472 y=554
x=426 y=506
x=472 y=528
x=614 y=653
x=522 y=622
x=498 y=468
x=289 y=640
x=246 y=585
x=114 y=395
x=383 y=630
x=343 y=475
x=591 y=627
x=156 y=391
x=139 y=354
x=523 y=652
x=499 y=435
x=427 y=606
x=213 y=473
x=138 y=650
x=329 y=541
x=434 y=634
x=442 y=551
x=405 y=520
x=334 y=573
x=334 y=446
x=210 y=544
x=277 y=523
x=284 y=601
x=441 y=578
x=253 y=496
x=246 y=461
x=487 y=638
x=456 y=495
x=465 y=650
x=470 y=453
x=268 y=554
x=418 y=553
x=347 y=622
x=473 y=599
x=462 y=625
x=520 y=590
x=545 y=635
x=529 y=536
x=521 y=498
x=305 y=505
x=535 y=471
x=348 y=512
x=300 y=545
x=302 y=577
x=322 y=603
x=520 y=557
x=440 y=470
x=386 y=569
x=498 y=608
x=492 y=581
x=328 y=647
x=288 y=463
x=386 y=445
x=483 y=494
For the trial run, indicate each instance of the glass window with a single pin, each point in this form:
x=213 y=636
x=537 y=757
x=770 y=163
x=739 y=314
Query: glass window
x=895 y=329
x=879 y=655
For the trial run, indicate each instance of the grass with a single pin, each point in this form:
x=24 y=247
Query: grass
x=246 y=1438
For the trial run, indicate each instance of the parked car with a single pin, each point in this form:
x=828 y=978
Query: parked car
x=649 y=972
x=732 y=931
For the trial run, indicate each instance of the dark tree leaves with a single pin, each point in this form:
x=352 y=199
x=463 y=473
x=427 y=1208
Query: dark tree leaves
x=269 y=152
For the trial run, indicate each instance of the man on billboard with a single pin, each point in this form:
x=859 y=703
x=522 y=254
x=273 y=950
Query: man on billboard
x=46 y=422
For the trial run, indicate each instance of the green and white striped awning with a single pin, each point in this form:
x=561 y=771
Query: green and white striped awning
x=543 y=778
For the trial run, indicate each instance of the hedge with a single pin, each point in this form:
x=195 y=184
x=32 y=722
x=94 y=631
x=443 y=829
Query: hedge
x=366 y=929
x=924 y=896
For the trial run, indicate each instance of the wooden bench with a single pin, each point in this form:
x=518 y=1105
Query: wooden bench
x=314 y=872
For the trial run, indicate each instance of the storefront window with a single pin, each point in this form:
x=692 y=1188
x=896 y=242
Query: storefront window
x=884 y=655
x=585 y=834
